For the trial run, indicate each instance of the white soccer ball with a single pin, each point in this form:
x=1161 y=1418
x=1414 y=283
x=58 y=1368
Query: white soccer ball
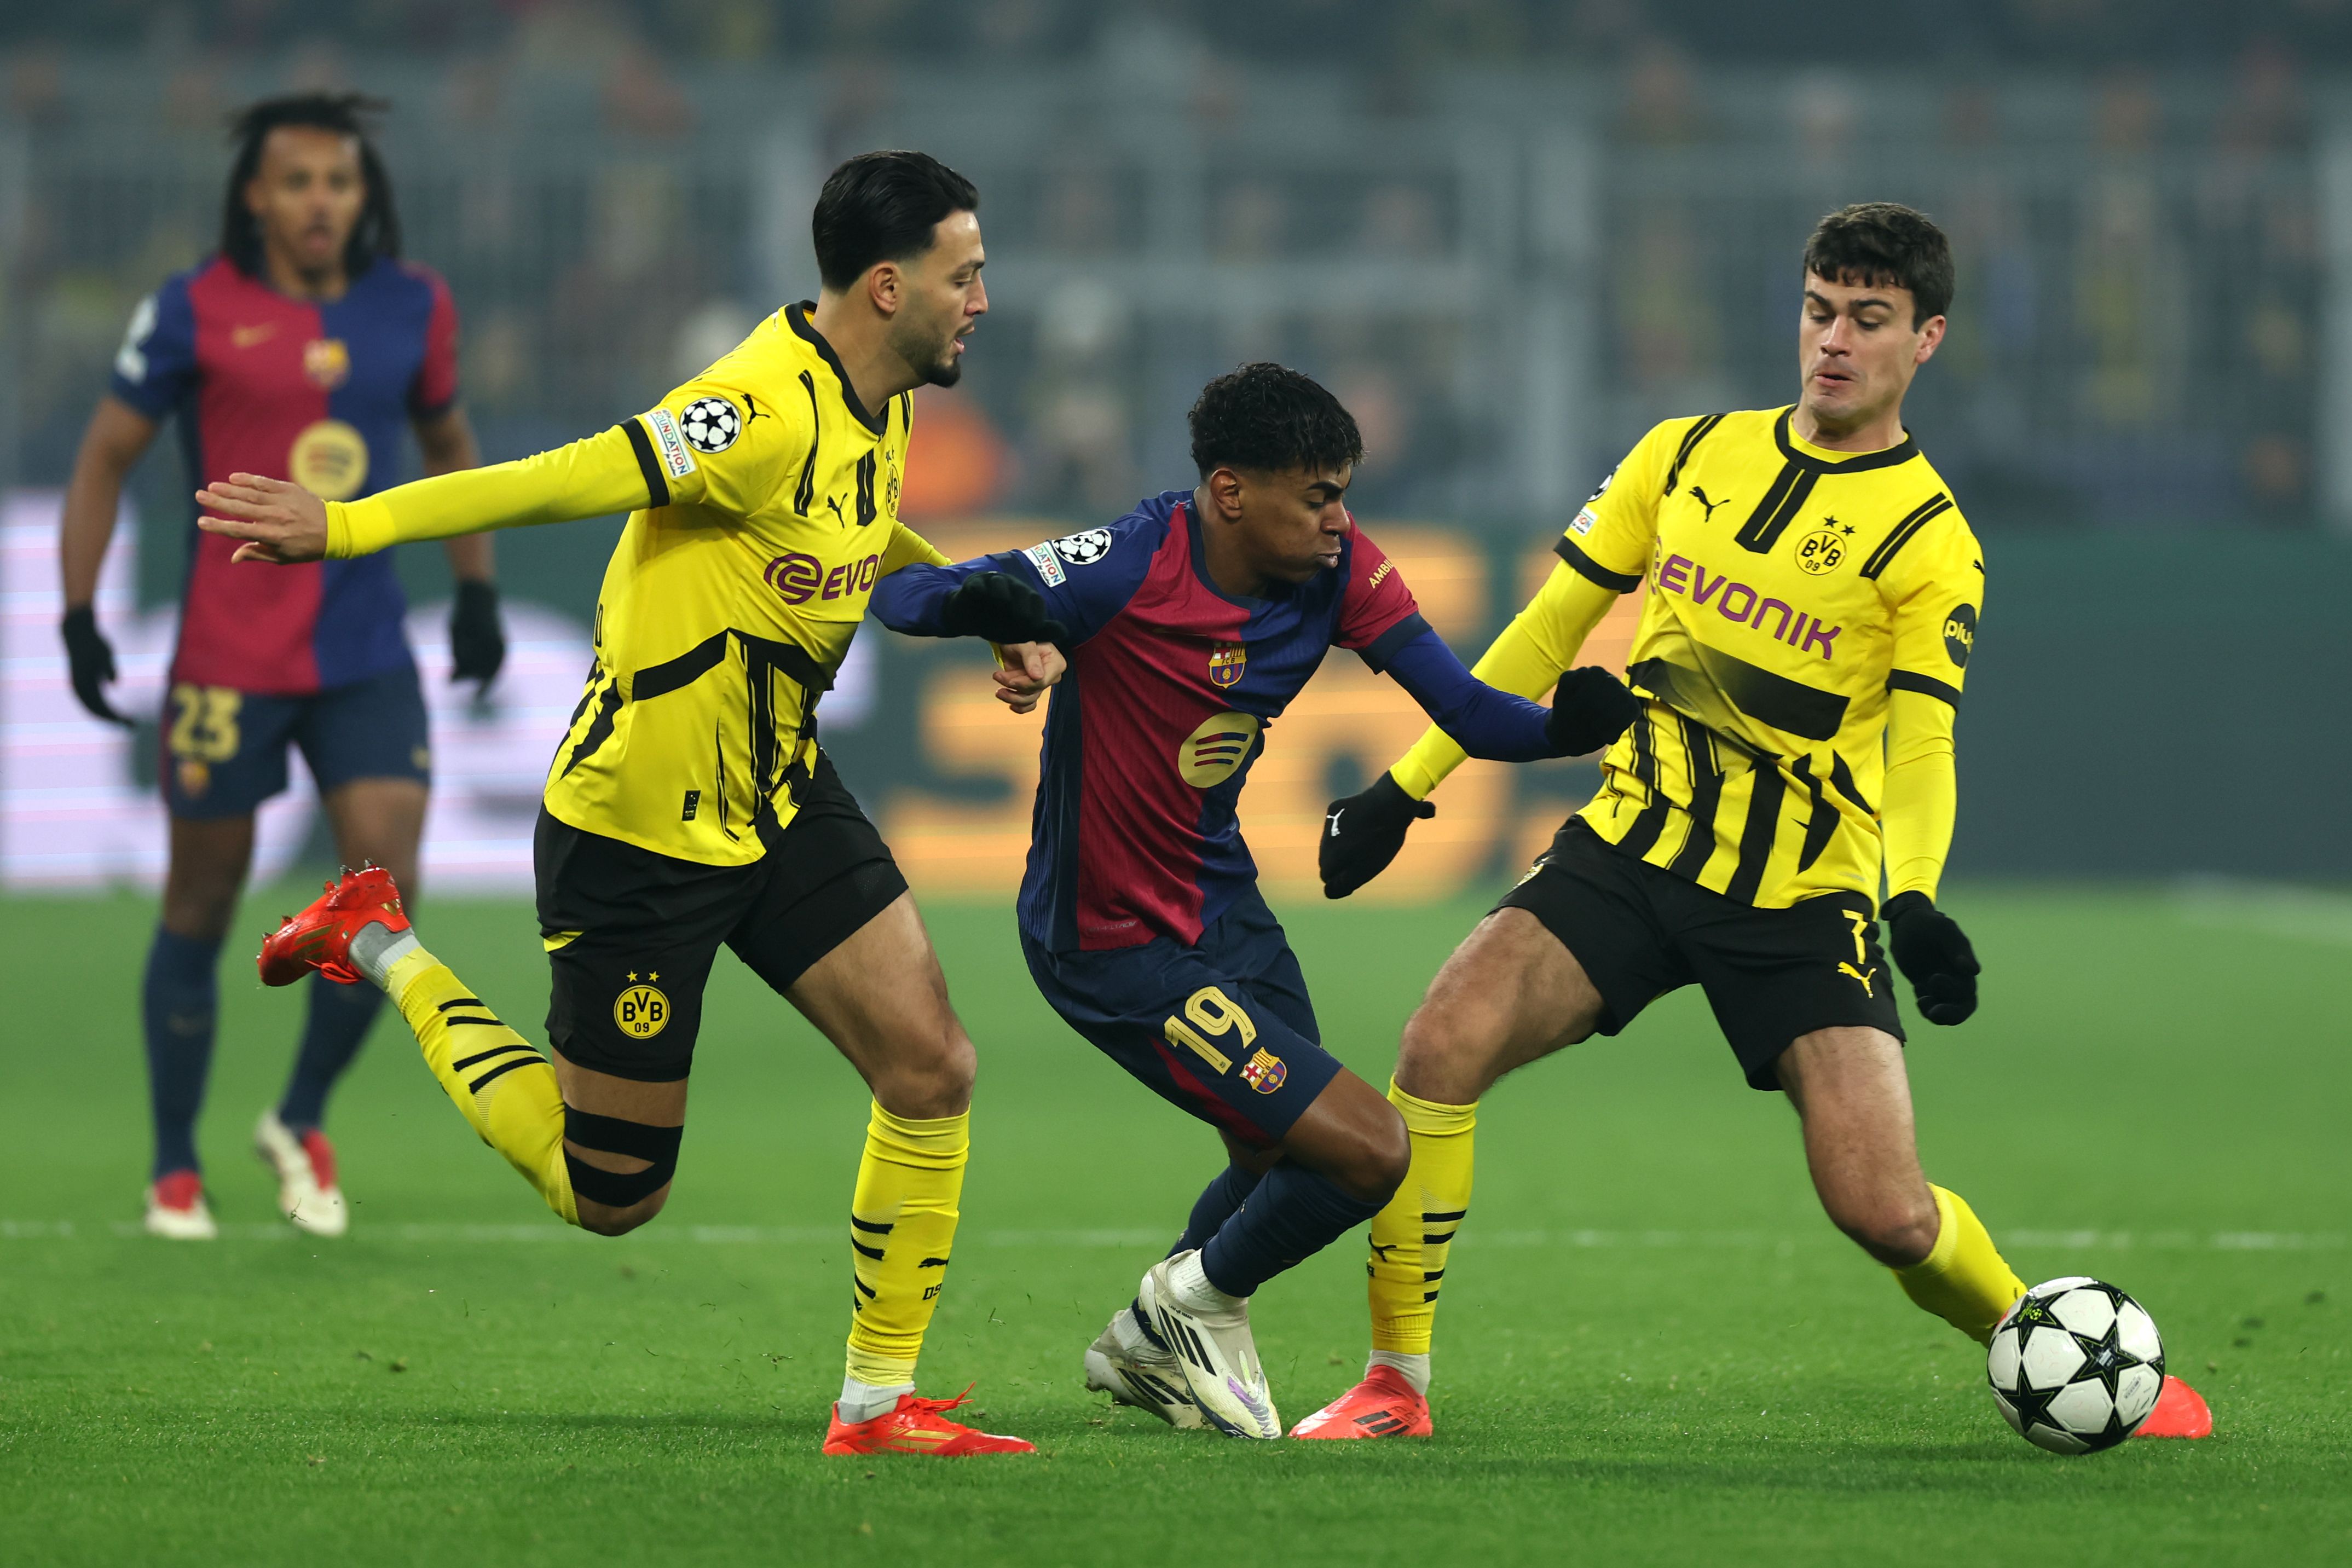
x=2076 y=1365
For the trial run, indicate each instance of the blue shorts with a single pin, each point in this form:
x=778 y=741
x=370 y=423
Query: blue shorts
x=1222 y=1029
x=225 y=750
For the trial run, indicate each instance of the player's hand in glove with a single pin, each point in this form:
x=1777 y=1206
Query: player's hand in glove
x=1590 y=709
x=91 y=660
x=1934 y=955
x=1000 y=608
x=477 y=644
x=1363 y=832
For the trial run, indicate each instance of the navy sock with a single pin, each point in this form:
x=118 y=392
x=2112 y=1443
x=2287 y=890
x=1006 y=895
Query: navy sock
x=337 y=1021
x=179 y=1000
x=1218 y=1202
x=1293 y=1214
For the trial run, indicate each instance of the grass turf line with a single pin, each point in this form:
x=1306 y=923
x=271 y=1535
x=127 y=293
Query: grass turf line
x=2137 y=1071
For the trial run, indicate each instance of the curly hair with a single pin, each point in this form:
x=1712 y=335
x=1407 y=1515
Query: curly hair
x=1269 y=417
x=377 y=234
x=1887 y=244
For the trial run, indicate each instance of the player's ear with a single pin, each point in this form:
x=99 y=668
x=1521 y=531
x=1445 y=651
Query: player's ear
x=1224 y=489
x=885 y=288
x=1931 y=335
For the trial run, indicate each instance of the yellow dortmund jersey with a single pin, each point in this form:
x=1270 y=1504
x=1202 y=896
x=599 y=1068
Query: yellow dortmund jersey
x=732 y=599
x=1791 y=588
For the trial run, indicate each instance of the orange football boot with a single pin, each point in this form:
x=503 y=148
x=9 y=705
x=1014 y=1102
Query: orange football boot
x=2180 y=1412
x=320 y=936
x=1382 y=1406
x=917 y=1426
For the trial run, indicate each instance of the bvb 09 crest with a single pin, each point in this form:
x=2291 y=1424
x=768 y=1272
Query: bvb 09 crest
x=1227 y=663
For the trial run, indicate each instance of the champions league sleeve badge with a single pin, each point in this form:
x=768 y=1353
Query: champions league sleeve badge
x=710 y=424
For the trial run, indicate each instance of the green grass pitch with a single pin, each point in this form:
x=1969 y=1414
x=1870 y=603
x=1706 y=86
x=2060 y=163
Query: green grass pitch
x=1652 y=1348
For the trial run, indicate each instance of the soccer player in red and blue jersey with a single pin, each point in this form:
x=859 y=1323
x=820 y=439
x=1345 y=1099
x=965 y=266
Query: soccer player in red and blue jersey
x=303 y=350
x=1189 y=625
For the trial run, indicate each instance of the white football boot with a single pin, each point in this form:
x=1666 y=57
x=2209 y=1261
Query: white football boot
x=177 y=1210
x=307 y=1193
x=1216 y=1355
x=1124 y=1364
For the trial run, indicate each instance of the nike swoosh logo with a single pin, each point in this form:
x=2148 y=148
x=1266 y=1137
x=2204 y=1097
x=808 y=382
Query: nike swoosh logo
x=247 y=337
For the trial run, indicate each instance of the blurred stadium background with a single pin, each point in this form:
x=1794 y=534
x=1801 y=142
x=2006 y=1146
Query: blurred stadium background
x=1510 y=235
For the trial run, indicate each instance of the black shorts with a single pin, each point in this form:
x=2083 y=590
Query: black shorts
x=1773 y=976
x=631 y=934
x=225 y=750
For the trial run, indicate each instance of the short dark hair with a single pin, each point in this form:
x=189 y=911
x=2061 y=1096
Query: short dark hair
x=377 y=234
x=882 y=207
x=1269 y=418
x=1889 y=244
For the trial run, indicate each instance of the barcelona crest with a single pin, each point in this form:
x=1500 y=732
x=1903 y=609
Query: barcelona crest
x=1264 y=1073
x=1227 y=661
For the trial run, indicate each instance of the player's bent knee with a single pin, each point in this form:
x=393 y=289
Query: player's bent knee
x=930 y=1082
x=1381 y=1166
x=599 y=1221
x=1897 y=1235
x=615 y=1202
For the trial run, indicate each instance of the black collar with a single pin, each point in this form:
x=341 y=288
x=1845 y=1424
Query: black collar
x=797 y=316
x=1856 y=464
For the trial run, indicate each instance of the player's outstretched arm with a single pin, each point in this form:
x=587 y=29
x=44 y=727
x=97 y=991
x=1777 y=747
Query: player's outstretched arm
x=1363 y=832
x=283 y=523
x=1590 y=707
x=935 y=599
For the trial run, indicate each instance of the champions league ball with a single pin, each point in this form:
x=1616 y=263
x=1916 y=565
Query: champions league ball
x=2076 y=1365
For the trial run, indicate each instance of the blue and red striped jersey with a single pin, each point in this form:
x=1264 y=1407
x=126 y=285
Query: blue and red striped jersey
x=1171 y=687
x=314 y=392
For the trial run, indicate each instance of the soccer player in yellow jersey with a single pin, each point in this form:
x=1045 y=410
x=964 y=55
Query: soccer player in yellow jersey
x=1813 y=598
x=688 y=805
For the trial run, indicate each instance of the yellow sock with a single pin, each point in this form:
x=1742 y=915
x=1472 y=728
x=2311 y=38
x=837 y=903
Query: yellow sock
x=1965 y=1281
x=902 y=1225
x=1412 y=1237
x=499 y=1081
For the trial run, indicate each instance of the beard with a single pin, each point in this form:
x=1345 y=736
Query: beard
x=920 y=346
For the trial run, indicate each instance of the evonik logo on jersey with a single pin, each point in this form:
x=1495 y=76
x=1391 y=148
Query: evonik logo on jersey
x=1739 y=603
x=799 y=578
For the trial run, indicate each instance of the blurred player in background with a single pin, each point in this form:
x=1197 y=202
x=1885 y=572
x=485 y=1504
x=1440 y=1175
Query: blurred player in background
x=1801 y=664
x=689 y=806
x=300 y=351
x=1192 y=623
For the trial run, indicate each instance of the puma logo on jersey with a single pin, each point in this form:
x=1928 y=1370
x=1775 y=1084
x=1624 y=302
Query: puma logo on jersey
x=1862 y=975
x=1699 y=496
x=1738 y=602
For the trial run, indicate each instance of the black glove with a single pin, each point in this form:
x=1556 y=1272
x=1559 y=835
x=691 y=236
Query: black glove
x=1363 y=832
x=1000 y=607
x=477 y=644
x=92 y=661
x=1590 y=709
x=1934 y=955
